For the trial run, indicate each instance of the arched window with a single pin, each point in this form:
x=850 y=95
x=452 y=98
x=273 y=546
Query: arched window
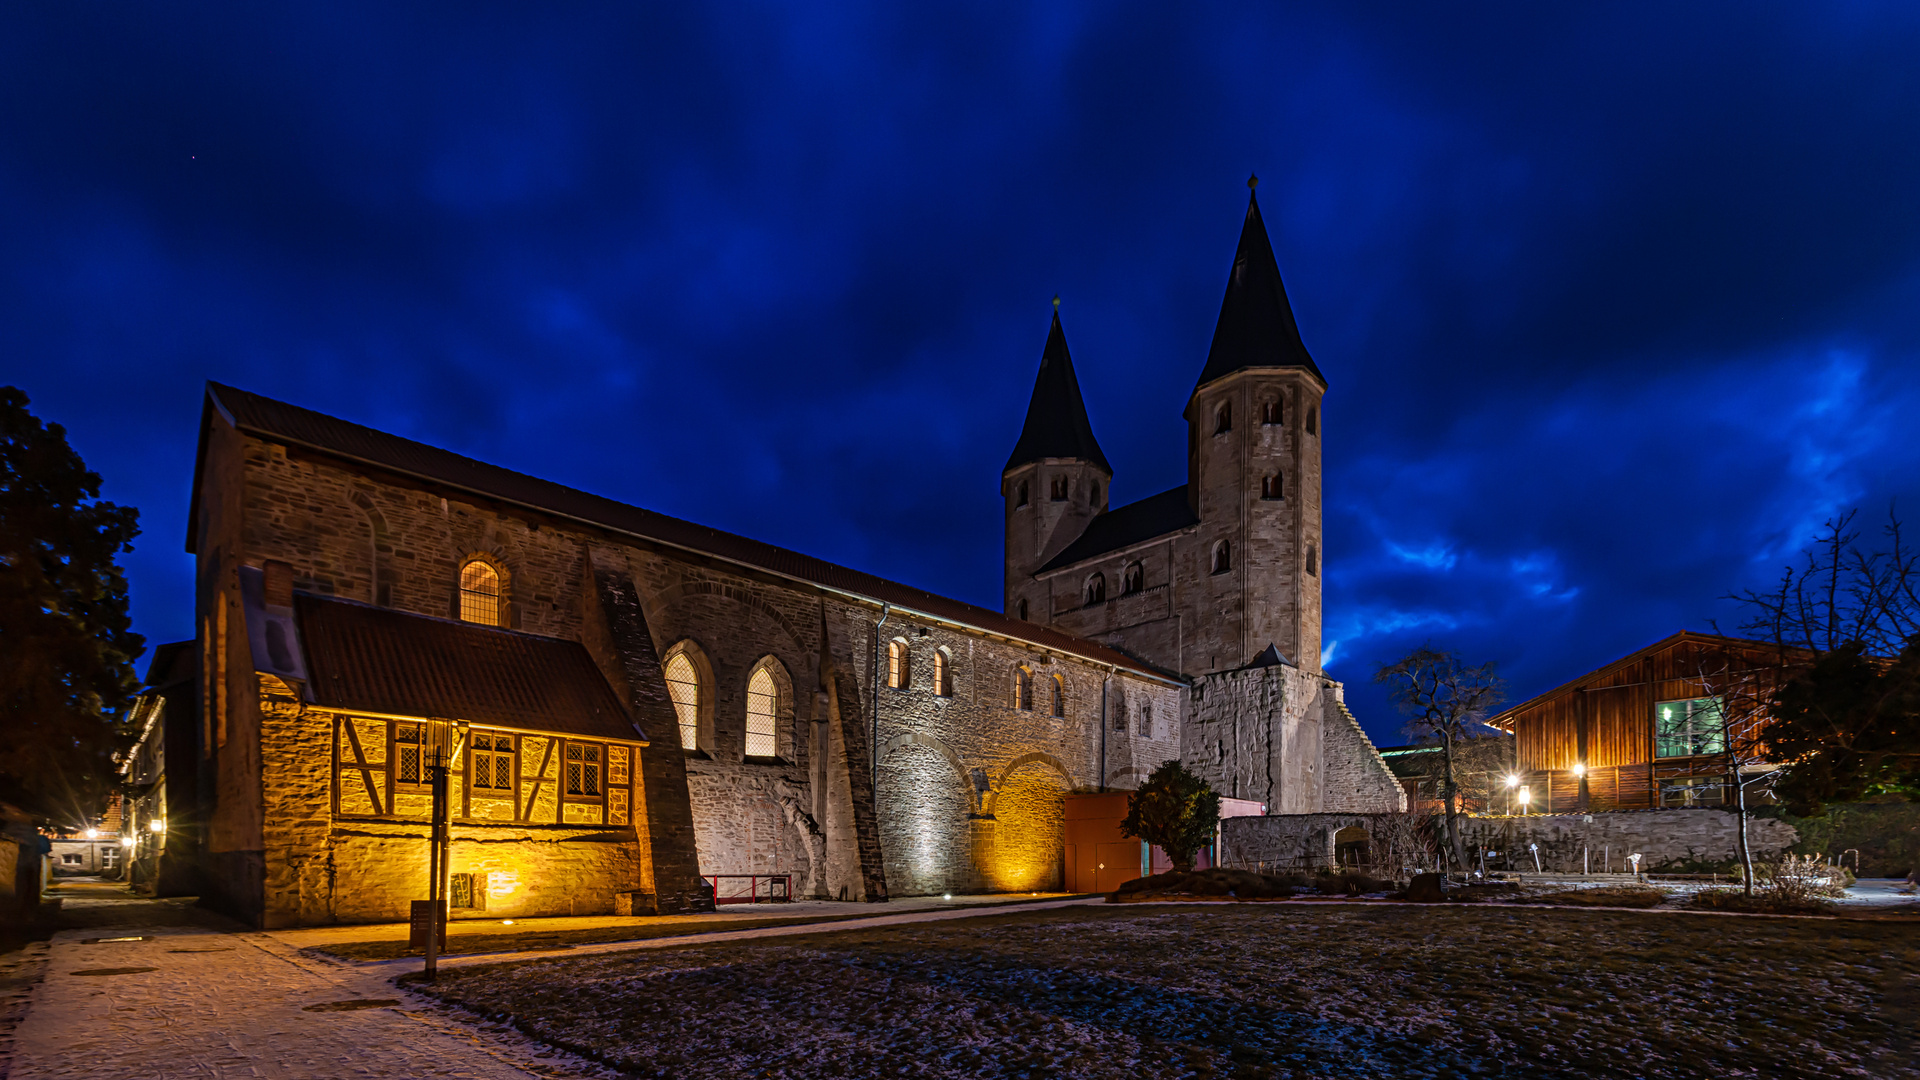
x=688 y=691
x=1057 y=688
x=1271 y=487
x=942 y=673
x=1020 y=609
x=1270 y=412
x=1023 y=688
x=1097 y=589
x=1119 y=710
x=1313 y=419
x=1134 y=579
x=1059 y=489
x=1146 y=719
x=763 y=712
x=480 y=599
x=897 y=664
x=1020 y=494
x=1313 y=560
x=1223 y=418
x=1222 y=557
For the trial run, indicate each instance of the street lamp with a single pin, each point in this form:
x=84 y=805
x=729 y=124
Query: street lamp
x=157 y=825
x=1526 y=796
x=1579 y=768
x=1513 y=781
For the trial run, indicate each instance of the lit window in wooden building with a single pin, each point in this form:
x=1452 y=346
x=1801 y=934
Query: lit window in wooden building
x=583 y=769
x=480 y=594
x=897 y=669
x=1687 y=728
x=763 y=705
x=683 y=684
x=492 y=761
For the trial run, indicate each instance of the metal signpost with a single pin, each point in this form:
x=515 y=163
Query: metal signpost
x=439 y=759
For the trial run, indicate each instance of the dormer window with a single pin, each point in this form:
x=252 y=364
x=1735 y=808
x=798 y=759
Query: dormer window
x=1222 y=557
x=1020 y=494
x=1270 y=412
x=1096 y=589
x=1134 y=579
x=1271 y=487
x=1059 y=489
x=1223 y=418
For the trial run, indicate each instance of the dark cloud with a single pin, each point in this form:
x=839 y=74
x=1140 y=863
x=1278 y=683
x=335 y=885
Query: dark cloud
x=1617 y=304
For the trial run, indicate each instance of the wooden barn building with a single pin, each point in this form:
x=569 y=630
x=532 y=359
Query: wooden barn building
x=1642 y=732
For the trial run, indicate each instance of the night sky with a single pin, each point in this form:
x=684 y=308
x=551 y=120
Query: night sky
x=1616 y=304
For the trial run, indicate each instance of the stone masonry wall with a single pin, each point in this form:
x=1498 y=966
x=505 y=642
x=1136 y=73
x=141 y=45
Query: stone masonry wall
x=1356 y=777
x=1662 y=837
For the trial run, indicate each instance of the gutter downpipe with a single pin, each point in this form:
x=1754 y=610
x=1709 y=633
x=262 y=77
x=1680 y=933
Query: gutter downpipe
x=1101 y=786
x=873 y=744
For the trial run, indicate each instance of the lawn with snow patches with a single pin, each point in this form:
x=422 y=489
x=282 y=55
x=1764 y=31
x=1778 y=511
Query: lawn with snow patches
x=1243 y=991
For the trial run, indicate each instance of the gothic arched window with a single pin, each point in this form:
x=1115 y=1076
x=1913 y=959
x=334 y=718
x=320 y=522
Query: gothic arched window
x=942 y=673
x=763 y=712
x=1271 y=487
x=897 y=669
x=1222 y=557
x=1023 y=688
x=1134 y=579
x=1096 y=589
x=480 y=594
x=689 y=685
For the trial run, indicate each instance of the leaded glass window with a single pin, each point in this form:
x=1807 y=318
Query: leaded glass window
x=583 y=770
x=763 y=704
x=492 y=761
x=407 y=754
x=683 y=685
x=480 y=594
x=1686 y=728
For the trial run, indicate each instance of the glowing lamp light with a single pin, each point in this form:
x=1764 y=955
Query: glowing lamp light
x=1526 y=796
x=506 y=922
x=93 y=834
x=127 y=841
x=157 y=825
x=1513 y=779
x=946 y=896
x=1579 y=768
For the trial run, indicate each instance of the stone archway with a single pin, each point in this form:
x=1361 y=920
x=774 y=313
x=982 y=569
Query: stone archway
x=1025 y=847
x=1352 y=846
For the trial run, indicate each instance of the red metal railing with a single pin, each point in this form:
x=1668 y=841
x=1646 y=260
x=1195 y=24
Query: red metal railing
x=779 y=888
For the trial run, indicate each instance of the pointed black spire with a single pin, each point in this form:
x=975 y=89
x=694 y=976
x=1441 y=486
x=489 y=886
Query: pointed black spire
x=1057 y=424
x=1256 y=327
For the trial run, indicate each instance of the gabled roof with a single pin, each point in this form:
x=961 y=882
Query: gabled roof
x=1125 y=526
x=1504 y=719
x=290 y=425
x=1057 y=424
x=393 y=662
x=1256 y=327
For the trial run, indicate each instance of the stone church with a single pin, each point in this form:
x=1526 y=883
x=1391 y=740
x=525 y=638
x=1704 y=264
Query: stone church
x=641 y=712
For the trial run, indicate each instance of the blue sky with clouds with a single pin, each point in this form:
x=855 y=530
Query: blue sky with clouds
x=1617 y=304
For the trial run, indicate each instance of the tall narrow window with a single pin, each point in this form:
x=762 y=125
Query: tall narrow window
x=1222 y=557
x=1023 y=689
x=683 y=685
x=408 y=750
x=897 y=670
x=1020 y=494
x=1223 y=419
x=1119 y=712
x=1020 y=609
x=480 y=593
x=1270 y=412
x=1313 y=560
x=1146 y=719
x=1093 y=493
x=1313 y=419
x=1059 y=489
x=1057 y=688
x=942 y=673
x=763 y=706
x=492 y=757
x=583 y=770
x=1134 y=580
x=1271 y=487
x=1097 y=588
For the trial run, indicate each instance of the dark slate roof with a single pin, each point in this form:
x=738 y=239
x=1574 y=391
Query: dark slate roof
x=291 y=425
x=1125 y=526
x=1057 y=424
x=172 y=663
x=387 y=661
x=1256 y=327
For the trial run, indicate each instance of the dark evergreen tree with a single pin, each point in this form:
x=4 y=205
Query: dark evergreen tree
x=1176 y=810
x=66 y=647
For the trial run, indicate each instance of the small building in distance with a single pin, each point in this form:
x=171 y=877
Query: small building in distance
x=1642 y=732
x=160 y=779
x=1482 y=767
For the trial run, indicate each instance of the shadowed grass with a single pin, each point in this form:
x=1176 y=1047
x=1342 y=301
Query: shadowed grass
x=1249 y=991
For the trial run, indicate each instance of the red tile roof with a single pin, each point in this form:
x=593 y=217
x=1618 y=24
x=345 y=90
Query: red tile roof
x=292 y=425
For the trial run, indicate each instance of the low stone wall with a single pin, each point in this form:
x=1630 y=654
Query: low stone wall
x=1663 y=838
x=1288 y=841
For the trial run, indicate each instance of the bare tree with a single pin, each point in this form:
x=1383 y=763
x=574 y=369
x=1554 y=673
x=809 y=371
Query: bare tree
x=1444 y=700
x=1741 y=681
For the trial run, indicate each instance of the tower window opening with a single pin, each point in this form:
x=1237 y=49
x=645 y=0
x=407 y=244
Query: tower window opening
x=1097 y=588
x=1020 y=494
x=1270 y=412
x=1223 y=418
x=1059 y=489
x=1093 y=494
x=1271 y=487
x=1134 y=579
x=1020 y=609
x=1222 y=557
x=1313 y=419
x=1313 y=559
